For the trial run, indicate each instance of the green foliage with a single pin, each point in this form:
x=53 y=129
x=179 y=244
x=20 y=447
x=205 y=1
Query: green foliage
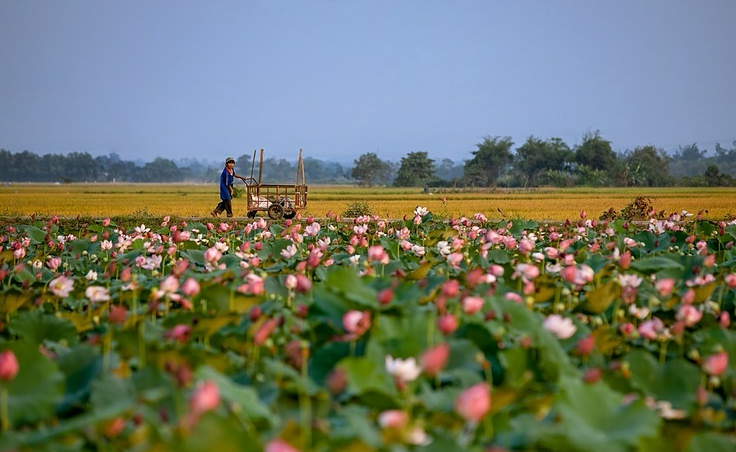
x=595 y=152
x=356 y=209
x=369 y=170
x=416 y=170
x=535 y=157
x=491 y=157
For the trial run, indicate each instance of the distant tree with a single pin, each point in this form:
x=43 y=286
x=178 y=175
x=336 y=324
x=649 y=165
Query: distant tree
x=653 y=165
x=416 y=170
x=595 y=152
x=243 y=166
x=449 y=170
x=161 y=170
x=488 y=161
x=536 y=157
x=724 y=155
x=369 y=169
x=689 y=152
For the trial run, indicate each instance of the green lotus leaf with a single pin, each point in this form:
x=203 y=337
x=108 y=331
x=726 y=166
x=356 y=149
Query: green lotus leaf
x=37 y=387
x=35 y=327
x=656 y=263
x=676 y=380
x=244 y=398
x=594 y=417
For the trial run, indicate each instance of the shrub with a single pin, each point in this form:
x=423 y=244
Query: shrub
x=357 y=209
x=638 y=209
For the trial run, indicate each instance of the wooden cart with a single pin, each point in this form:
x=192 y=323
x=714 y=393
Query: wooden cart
x=279 y=200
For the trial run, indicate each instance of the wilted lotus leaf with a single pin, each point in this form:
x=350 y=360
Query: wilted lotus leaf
x=13 y=299
x=606 y=339
x=702 y=293
x=545 y=288
x=600 y=298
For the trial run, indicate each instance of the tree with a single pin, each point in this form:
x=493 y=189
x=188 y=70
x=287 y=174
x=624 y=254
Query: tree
x=652 y=164
x=369 y=169
x=416 y=170
x=448 y=170
x=489 y=160
x=595 y=152
x=536 y=157
x=689 y=153
x=243 y=165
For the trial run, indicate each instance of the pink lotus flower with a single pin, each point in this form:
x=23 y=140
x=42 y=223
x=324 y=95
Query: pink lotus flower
x=377 y=253
x=451 y=288
x=96 y=294
x=527 y=272
x=212 y=255
x=665 y=286
x=394 y=419
x=586 y=345
x=170 y=285
x=54 y=263
x=526 y=247
x=265 y=331
x=279 y=445
x=716 y=364
x=356 y=323
x=471 y=305
x=627 y=329
x=447 y=323
x=61 y=286
x=725 y=319
x=180 y=333
x=578 y=276
x=730 y=280
x=290 y=282
x=561 y=327
x=205 y=398
x=455 y=259
x=190 y=288
x=689 y=314
x=312 y=229
x=435 y=359
x=474 y=403
x=8 y=366
x=513 y=296
x=651 y=328
x=303 y=283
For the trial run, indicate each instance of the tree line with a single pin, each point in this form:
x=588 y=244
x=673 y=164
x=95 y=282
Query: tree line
x=82 y=167
x=494 y=162
x=552 y=162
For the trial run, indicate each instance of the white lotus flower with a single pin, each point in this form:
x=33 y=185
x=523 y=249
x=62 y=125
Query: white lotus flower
x=404 y=369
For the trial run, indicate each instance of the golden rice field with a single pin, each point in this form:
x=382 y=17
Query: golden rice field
x=190 y=200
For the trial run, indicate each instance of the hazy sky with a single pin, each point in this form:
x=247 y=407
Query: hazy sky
x=207 y=79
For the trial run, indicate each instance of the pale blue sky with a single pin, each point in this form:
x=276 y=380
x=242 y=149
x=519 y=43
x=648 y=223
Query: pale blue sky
x=185 y=78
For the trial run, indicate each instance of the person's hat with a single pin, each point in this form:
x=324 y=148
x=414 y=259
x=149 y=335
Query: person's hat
x=229 y=159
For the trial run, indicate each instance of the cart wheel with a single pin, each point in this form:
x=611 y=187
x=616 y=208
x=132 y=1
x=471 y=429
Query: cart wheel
x=251 y=214
x=275 y=211
x=290 y=214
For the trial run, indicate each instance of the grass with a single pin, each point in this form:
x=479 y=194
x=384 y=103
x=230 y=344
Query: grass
x=194 y=200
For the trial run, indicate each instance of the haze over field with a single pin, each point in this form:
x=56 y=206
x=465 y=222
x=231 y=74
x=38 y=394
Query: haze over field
x=186 y=79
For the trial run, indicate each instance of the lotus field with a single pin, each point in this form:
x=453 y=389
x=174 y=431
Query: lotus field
x=368 y=335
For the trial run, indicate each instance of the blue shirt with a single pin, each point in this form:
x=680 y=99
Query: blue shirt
x=226 y=181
